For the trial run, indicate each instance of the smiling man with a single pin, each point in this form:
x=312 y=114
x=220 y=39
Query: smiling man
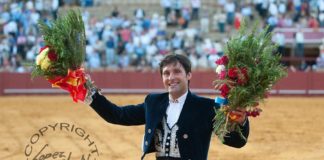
x=176 y=73
x=178 y=123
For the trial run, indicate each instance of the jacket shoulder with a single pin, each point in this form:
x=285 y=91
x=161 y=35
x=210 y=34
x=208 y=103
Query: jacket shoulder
x=156 y=95
x=201 y=99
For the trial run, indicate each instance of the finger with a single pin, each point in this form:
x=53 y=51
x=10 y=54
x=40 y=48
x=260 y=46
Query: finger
x=237 y=117
x=237 y=112
x=240 y=110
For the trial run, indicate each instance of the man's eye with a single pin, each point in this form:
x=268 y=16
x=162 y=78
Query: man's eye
x=177 y=71
x=165 y=73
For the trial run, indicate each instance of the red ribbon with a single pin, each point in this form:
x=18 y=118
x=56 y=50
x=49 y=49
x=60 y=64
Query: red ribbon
x=73 y=83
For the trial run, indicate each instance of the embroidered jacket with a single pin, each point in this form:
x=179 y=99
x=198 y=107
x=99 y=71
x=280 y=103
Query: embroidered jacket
x=195 y=122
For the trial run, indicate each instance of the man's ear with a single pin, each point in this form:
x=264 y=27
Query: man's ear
x=189 y=75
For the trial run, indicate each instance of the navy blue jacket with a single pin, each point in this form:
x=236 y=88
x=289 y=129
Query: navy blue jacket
x=195 y=122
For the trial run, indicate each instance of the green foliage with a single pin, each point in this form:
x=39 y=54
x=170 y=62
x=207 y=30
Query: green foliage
x=255 y=51
x=220 y=125
x=65 y=36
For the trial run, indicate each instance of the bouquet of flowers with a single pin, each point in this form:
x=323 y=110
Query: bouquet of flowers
x=60 y=60
x=245 y=75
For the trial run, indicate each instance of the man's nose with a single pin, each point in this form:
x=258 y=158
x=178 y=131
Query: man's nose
x=171 y=76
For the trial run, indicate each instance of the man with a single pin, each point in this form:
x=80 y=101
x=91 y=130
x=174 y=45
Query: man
x=178 y=123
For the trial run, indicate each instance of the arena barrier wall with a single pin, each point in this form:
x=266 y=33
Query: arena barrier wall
x=296 y=83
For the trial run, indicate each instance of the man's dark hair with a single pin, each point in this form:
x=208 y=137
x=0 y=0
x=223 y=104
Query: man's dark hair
x=174 y=59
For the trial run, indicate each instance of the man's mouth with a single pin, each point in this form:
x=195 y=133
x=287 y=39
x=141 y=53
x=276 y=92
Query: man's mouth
x=174 y=84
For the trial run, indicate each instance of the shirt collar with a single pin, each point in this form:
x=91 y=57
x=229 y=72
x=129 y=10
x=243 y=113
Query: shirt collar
x=181 y=99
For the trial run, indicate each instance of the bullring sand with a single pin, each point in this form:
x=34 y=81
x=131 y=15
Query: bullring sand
x=289 y=128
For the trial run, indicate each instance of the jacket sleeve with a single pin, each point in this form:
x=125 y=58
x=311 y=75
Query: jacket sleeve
x=122 y=115
x=234 y=139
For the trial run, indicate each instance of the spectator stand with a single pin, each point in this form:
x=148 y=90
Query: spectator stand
x=312 y=40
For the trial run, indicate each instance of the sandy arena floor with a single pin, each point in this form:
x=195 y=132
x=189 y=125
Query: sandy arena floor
x=288 y=129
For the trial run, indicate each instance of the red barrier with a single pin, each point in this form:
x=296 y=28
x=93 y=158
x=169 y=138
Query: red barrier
x=297 y=83
x=1 y=84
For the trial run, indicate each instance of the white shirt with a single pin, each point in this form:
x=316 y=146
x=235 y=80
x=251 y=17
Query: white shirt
x=273 y=9
x=174 y=109
x=321 y=5
x=195 y=3
x=280 y=39
x=12 y=26
x=230 y=7
x=282 y=8
x=299 y=37
x=29 y=5
x=165 y=3
x=55 y=4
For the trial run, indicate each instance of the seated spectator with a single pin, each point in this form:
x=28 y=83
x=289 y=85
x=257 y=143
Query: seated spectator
x=115 y=12
x=172 y=19
x=93 y=58
x=282 y=8
x=287 y=22
x=202 y=62
x=139 y=13
x=204 y=23
x=184 y=20
x=176 y=41
x=246 y=11
x=313 y=23
x=219 y=21
x=320 y=63
x=124 y=61
x=177 y=6
x=321 y=19
x=280 y=39
x=151 y=50
x=193 y=57
x=195 y=4
x=237 y=20
x=299 y=40
x=320 y=59
x=230 y=12
x=166 y=4
x=272 y=21
x=273 y=9
x=144 y=39
x=155 y=20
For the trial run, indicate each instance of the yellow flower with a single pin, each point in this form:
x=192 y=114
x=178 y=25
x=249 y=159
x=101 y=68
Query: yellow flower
x=41 y=56
x=45 y=63
x=42 y=60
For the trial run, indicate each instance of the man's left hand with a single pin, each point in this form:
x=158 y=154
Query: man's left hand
x=238 y=115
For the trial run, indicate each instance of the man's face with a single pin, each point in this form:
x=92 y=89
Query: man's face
x=175 y=79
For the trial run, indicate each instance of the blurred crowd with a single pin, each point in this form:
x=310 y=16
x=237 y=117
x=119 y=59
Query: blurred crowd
x=139 y=40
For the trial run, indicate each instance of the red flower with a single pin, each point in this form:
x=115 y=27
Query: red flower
x=242 y=76
x=241 y=81
x=232 y=73
x=239 y=75
x=222 y=75
x=224 y=90
x=254 y=113
x=222 y=61
x=244 y=71
x=52 y=55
